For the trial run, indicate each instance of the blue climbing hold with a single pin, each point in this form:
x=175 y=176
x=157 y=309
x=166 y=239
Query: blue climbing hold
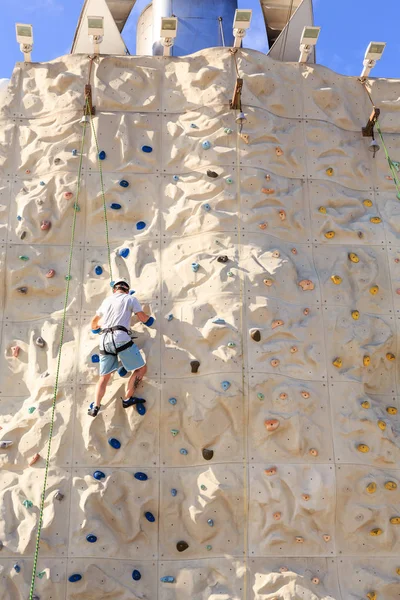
x=170 y=317
x=91 y=538
x=140 y=408
x=74 y=578
x=218 y=321
x=172 y=401
x=140 y=476
x=147 y=149
x=124 y=183
x=195 y=267
x=210 y=522
x=206 y=145
x=174 y=492
x=167 y=579
x=207 y=207
x=17 y=568
x=124 y=252
x=74 y=152
x=102 y=155
x=183 y=451
x=136 y=575
x=114 y=443
x=176 y=178
x=98 y=270
x=140 y=225
x=225 y=385
x=193 y=126
x=95 y=358
x=99 y=475
x=19 y=218
x=150 y=517
x=42 y=183
x=115 y=206
x=112 y=283
x=122 y=372
x=131 y=292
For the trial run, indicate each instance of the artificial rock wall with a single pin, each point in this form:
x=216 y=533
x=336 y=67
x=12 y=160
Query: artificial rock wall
x=297 y=510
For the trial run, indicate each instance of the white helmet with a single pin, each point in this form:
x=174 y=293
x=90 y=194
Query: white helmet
x=122 y=283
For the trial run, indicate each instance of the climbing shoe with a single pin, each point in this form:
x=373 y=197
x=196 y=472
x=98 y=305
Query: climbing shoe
x=132 y=401
x=93 y=410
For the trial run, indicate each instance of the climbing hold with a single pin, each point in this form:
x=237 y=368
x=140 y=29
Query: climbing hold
x=277 y=516
x=305 y=394
x=17 y=568
x=392 y=410
x=50 y=273
x=95 y=358
x=207 y=207
x=92 y=539
x=276 y=254
x=306 y=497
x=329 y=171
x=123 y=252
x=283 y=396
x=275 y=362
x=23 y=236
x=40 y=342
x=222 y=259
x=115 y=206
x=102 y=155
x=174 y=432
x=5 y=444
x=372 y=595
x=306 y=311
x=367 y=203
x=293 y=251
x=59 y=496
x=282 y=215
x=299 y=539
x=225 y=385
x=353 y=257
x=218 y=321
x=212 y=174
x=229 y=180
x=210 y=522
x=263 y=225
x=315 y=580
x=390 y=356
x=19 y=218
x=208 y=547
x=337 y=280
x=195 y=267
x=313 y=452
x=140 y=476
x=68 y=195
x=376 y=531
x=329 y=235
x=271 y=471
x=136 y=575
x=395 y=520
x=203 y=487
x=76 y=207
x=140 y=225
x=376 y=220
x=381 y=425
x=15 y=350
x=277 y=323
x=182 y=546
x=230 y=274
x=45 y=225
x=206 y=145
x=283 y=569
x=150 y=517
x=172 y=401
x=260 y=396
x=207 y=454
x=391 y=485
x=167 y=579
x=355 y=315
x=267 y=191
x=363 y=448
x=365 y=404
x=228 y=130
x=41 y=574
x=174 y=492
x=23 y=257
x=114 y=443
x=231 y=345
x=27 y=504
x=326 y=537
x=170 y=317
x=74 y=578
x=175 y=178
x=366 y=360
x=74 y=152
x=34 y=459
x=31 y=409
x=322 y=210
x=194 y=364
x=256 y=335
x=271 y=424
x=124 y=183
x=374 y=290
x=183 y=451
x=306 y=284
x=294 y=349
x=268 y=282
x=98 y=270
x=278 y=151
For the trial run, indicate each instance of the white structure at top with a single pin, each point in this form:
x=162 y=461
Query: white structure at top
x=112 y=42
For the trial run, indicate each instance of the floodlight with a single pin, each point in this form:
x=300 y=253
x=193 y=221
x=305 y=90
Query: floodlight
x=308 y=40
x=96 y=31
x=169 y=30
x=24 y=35
x=241 y=23
x=373 y=53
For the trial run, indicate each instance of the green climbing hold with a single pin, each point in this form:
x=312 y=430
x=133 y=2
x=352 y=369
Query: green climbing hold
x=231 y=345
x=174 y=432
x=27 y=503
x=203 y=487
x=22 y=257
x=41 y=574
x=31 y=409
x=208 y=547
x=260 y=396
x=76 y=207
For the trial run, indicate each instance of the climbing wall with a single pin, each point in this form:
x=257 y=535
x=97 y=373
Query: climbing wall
x=267 y=465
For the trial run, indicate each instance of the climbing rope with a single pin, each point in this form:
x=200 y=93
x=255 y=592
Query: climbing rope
x=103 y=196
x=68 y=279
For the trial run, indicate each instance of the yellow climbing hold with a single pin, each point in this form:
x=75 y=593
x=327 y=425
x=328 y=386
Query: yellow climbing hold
x=395 y=520
x=391 y=485
x=363 y=448
x=372 y=595
x=336 y=279
x=367 y=203
x=376 y=531
x=392 y=410
x=355 y=314
x=382 y=425
x=329 y=235
x=390 y=356
x=322 y=210
x=337 y=362
x=366 y=360
x=371 y=487
x=353 y=257
x=374 y=290
x=329 y=171
x=375 y=220
x=398 y=570
x=365 y=404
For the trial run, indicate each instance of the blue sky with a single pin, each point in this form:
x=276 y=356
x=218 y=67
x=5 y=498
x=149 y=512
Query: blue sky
x=347 y=28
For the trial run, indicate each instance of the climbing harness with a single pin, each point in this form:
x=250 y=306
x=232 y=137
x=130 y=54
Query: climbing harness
x=118 y=349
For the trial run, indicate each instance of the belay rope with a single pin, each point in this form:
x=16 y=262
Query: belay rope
x=68 y=280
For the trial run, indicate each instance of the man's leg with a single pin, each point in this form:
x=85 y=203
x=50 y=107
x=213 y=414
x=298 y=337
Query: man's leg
x=101 y=387
x=134 y=381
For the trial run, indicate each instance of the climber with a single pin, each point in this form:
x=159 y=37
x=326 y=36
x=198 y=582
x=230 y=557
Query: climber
x=115 y=314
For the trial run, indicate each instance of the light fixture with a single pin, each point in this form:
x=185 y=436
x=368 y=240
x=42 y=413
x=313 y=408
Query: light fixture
x=308 y=40
x=241 y=118
x=373 y=53
x=96 y=32
x=169 y=30
x=374 y=147
x=24 y=35
x=241 y=23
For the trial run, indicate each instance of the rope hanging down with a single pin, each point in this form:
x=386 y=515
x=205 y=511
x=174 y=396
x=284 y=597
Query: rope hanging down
x=68 y=279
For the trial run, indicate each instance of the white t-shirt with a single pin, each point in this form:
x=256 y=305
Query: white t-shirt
x=117 y=310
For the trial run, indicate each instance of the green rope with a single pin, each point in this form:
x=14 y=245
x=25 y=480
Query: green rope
x=68 y=278
x=103 y=197
x=390 y=162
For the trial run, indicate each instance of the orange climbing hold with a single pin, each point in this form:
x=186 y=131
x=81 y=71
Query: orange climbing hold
x=271 y=471
x=271 y=424
x=276 y=323
x=267 y=191
x=34 y=459
x=306 y=285
x=390 y=356
x=278 y=151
